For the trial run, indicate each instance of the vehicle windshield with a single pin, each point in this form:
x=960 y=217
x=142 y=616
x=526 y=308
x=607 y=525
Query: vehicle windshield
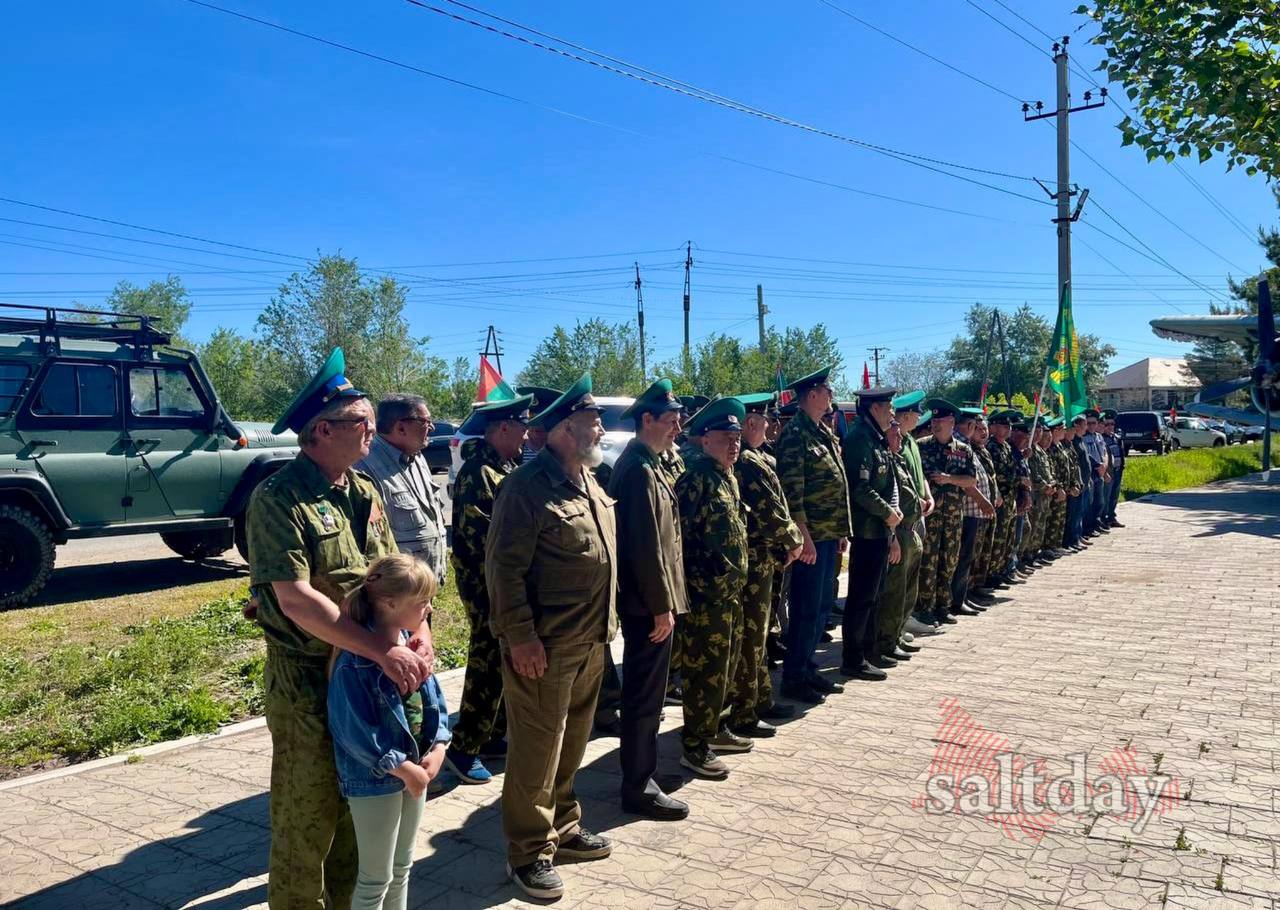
x=612 y=419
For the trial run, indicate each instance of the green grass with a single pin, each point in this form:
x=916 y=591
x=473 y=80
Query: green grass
x=65 y=698
x=1148 y=474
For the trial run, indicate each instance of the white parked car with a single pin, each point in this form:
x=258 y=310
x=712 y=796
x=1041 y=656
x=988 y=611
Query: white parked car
x=617 y=433
x=1193 y=432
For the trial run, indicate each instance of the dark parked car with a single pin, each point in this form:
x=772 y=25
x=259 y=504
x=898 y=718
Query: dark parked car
x=1253 y=434
x=1233 y=432
x=437 y=450
x=1143 y=431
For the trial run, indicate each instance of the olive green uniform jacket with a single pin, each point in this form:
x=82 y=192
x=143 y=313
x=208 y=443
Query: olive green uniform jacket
x=650 y=558
x=551 y=558
x=873 y=484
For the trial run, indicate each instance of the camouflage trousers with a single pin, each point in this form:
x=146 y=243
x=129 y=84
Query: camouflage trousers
x=313 y=843
x=750 y=687
x=1057 y=524
x=481 y=716
x=901 y=584
x=941 y=554
x=983 y=549
x=1005 y=528
x=710 y=635
x=1040 y=525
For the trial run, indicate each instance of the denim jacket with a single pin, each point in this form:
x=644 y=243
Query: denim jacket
x=370 y=732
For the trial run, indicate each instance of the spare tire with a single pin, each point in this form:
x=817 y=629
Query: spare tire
x=26 y=555
x=198 y=544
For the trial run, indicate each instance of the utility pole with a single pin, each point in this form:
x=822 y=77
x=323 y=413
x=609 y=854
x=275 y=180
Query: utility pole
x=1065 y=216
x=688 y=266
x=875 y=355
x=644 y=373
x=492 y=348
x=761 y=310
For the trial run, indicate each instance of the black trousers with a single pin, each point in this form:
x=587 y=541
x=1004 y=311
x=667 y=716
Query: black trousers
x=960 y=581
x=610 y=700
x=644 y=685
x=868 y=560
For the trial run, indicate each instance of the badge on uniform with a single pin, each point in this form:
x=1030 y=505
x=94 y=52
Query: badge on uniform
x=376 y=515
x=327 y=520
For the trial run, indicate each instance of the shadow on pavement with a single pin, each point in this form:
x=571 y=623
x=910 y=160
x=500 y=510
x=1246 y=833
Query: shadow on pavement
x=1218 y=511
x=76 y=583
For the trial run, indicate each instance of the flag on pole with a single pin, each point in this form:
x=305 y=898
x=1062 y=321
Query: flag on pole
x=866 y=376
x=784 y=394
x=1066 y=373
x=982 y=398
x=492 y=386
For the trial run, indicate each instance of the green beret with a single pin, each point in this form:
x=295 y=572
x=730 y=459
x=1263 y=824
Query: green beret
x=576 y=398
x=542 y=396
x=326 y=386
x=759 y=402
x=911 y=401
x=942 y=408
x=816 y=378
x=495 y=411
x=719 y=414
x=657 y=399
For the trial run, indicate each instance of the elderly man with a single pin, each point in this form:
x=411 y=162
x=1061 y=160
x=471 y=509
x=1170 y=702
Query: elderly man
x=876 y=511
x=813 y=478
x=395 y=461
x=552 y=570
x=313 y=528
x=950 y=467
x=481 y=720
x=651 y=593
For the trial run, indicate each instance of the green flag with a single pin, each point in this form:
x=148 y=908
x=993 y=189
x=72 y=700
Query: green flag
x=1066 y=376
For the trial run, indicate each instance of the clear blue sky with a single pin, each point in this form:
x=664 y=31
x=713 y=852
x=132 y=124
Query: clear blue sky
x=165 y=114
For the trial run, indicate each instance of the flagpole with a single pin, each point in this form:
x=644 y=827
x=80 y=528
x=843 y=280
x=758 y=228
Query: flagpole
x=1035 y=418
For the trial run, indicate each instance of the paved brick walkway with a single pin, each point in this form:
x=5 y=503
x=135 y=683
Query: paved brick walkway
x=1161 y=638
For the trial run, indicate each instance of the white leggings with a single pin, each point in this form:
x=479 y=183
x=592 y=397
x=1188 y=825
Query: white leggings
x=386 y=827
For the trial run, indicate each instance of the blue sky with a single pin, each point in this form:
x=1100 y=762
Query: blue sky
x=164 y=114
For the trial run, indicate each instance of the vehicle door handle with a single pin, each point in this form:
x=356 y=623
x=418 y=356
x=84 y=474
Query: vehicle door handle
x=146 y=442
x=43 y=443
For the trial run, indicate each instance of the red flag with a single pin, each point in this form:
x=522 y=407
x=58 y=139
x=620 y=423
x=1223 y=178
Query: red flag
x=866 y=376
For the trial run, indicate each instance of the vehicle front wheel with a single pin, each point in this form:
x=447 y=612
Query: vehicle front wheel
x=1219 y=442
x=26 y=555
x=198 y=544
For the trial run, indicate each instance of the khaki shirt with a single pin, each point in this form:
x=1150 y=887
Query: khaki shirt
x=412 y=500
x=301 y=527
x=551 y=557
x=650 y=559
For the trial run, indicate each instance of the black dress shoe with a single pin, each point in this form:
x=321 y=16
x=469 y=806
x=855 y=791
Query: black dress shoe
x=963 y=610
x=776 y=711
x=825 y=637
x=909 y=648
x=974 y=605
x=659 y=807
x=758 y=730
x=881 y=662
x=985 y=599
x=946 y=619
x=825 y=686
x=864 y=672
x=803 y=693
x=899 y=654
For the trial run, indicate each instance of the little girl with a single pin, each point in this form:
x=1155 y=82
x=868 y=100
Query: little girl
x=387 y=747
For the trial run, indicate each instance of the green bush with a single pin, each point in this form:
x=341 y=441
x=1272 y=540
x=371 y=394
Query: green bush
x=1148 y=474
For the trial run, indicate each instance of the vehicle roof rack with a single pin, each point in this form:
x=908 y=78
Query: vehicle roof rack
x=52 y=324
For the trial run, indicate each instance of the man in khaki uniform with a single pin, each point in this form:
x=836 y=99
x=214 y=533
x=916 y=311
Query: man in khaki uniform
x=551 y=569
x=313 y=527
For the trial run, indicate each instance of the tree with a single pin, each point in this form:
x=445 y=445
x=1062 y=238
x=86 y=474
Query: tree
x=919 y=370
x=457 y=392
x=1027 y=336
x=610 y=353
x=726 y=365
x=166 y=302
x=1204 y=77
x=231 y=362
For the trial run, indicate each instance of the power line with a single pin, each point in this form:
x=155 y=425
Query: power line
x=657 y=80
x=1025 y=19
x=1017 y=34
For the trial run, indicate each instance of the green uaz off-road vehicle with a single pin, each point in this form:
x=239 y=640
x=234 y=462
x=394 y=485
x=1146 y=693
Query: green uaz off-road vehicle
x=105 y=429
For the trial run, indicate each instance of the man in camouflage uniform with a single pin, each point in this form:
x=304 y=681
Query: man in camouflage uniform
x=651 y=594
x=902 y=579
x=910 y=413
x=949 y=465
x=1061 y=459
x=811 y=469
x=984 y=551
x=1005 y=470
x=775 y=541
x=482 y=721
x=313 y=527
x=714 y=529
x=1044 y=487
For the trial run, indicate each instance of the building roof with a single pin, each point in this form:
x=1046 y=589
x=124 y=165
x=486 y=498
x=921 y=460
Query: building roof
x=1153 y=373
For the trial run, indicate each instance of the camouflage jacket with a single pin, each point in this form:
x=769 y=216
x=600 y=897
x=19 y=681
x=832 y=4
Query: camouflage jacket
x=1065 y=467
x=812 y=473
x=650 y=557
x=1004 y=468
x=1042 y=475
x=873 y=484
x=302 y=527
x=770 y=531
x=714 y=525
x=474 y=490
x=997 y=489
x=672 y=464
x=954 y=457
x=551 y=561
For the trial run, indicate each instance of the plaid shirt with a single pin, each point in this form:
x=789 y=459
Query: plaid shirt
x=971 y=509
